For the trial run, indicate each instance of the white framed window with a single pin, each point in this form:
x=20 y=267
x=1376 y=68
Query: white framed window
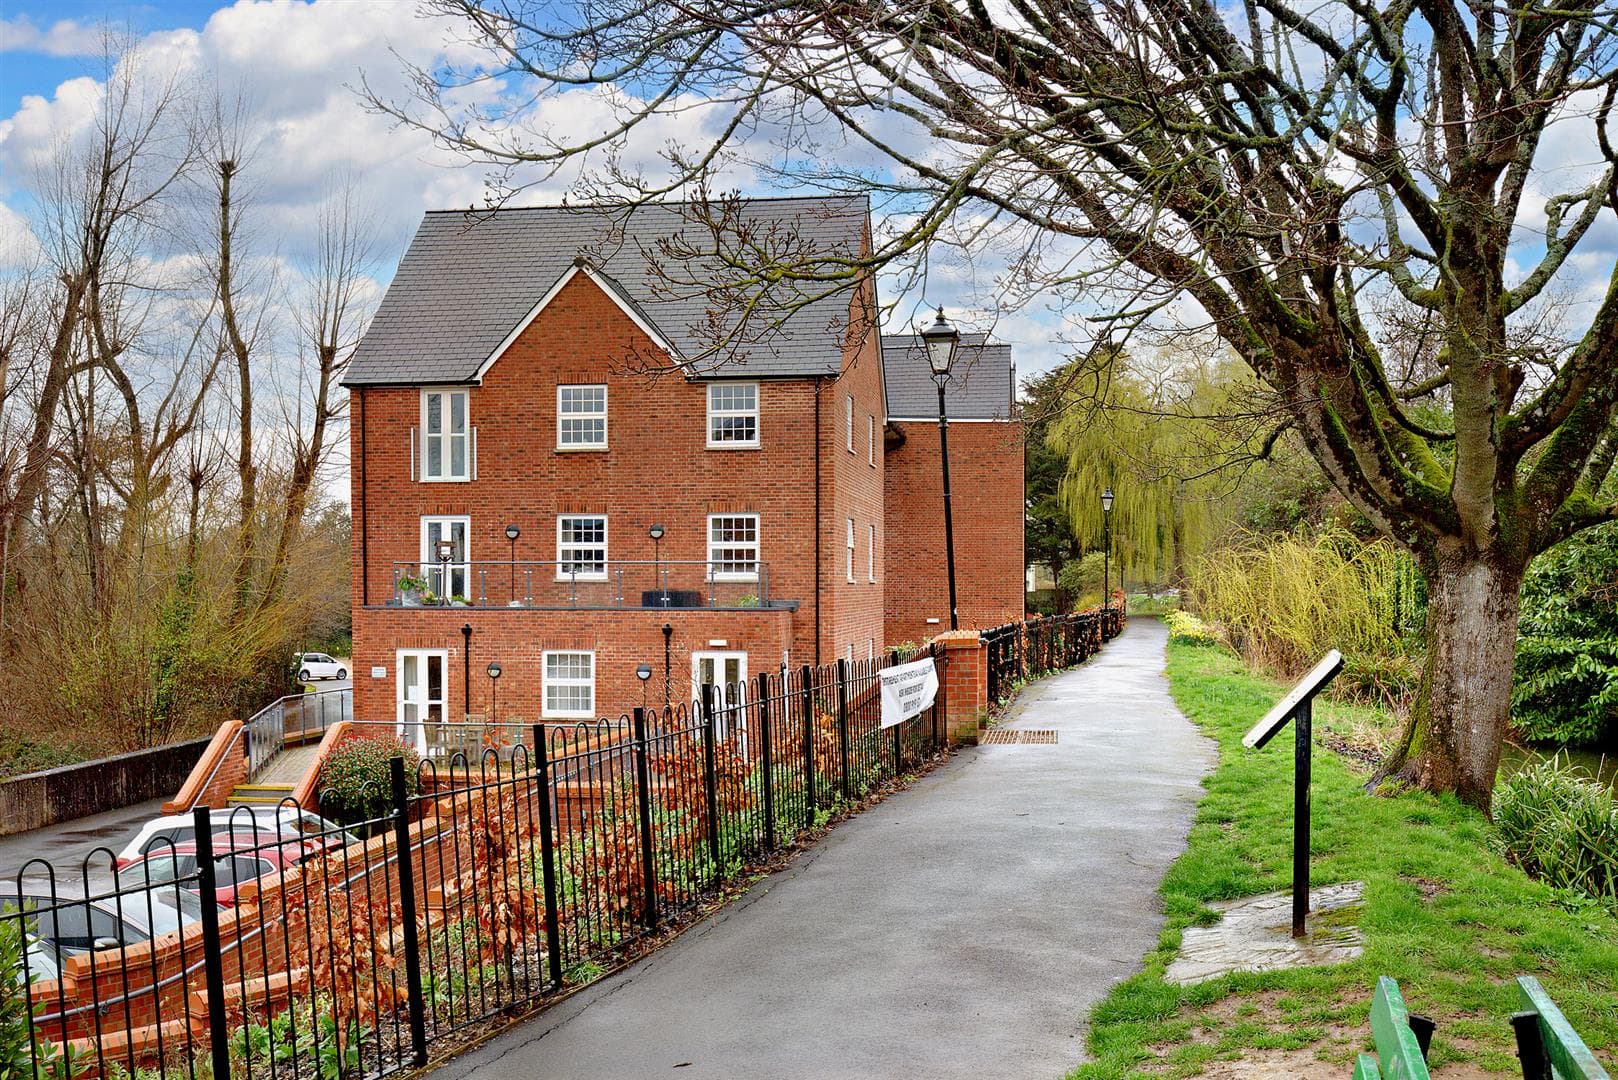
x=870 y=438
x=849 y=410
x=581 y=417
x=870 y=552
x=733 y=547
x=732 y=415
x=581 y=547
x=455 y=529
x=570 y=684
x=446 y=436
x=850 y=549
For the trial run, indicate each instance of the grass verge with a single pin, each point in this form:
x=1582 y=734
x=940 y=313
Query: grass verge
x=1444 y=914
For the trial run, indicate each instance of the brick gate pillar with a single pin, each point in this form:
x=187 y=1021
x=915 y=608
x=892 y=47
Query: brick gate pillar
x=966 y=684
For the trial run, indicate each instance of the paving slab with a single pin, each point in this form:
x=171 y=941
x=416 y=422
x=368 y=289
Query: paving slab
x=963 y=928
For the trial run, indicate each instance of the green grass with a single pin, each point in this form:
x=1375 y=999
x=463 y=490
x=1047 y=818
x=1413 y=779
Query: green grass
x=1444 y=914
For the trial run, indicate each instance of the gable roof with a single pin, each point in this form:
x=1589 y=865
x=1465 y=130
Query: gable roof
x=979 y=386
x=470 y=279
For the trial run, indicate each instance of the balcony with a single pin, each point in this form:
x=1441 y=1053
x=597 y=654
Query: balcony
x=648 y=585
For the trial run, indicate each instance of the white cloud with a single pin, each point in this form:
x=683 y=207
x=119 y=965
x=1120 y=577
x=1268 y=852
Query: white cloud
x=65 y=37
x=18 y=244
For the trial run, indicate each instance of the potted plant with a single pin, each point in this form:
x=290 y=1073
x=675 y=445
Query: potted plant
x=411 y=589
x=429 y=598
x=459 y=601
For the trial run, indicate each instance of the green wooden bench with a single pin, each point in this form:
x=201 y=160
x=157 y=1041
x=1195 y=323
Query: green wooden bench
x=1547 y=1044
x=1401 y=1039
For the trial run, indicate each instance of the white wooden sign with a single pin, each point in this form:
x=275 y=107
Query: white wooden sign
x=379 y=673
x=907 y=690
x=1311 y=684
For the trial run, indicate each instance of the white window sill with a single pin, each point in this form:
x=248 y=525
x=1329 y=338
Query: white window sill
x=733 y=446
x=581 y=577
x=446 y=480
x=602 y=449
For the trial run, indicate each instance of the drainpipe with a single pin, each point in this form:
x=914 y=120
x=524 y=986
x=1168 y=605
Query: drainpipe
x=365 y=523
x=466 y=657
x=818 y=523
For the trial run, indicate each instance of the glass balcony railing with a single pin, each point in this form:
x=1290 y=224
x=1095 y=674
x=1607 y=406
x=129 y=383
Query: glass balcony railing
x=650 y=585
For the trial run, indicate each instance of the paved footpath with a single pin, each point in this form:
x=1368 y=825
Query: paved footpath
x=963 y=928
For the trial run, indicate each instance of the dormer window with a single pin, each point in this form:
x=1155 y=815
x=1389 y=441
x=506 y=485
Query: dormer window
x=447 y=438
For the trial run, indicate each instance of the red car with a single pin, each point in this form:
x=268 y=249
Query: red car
x=233 y=865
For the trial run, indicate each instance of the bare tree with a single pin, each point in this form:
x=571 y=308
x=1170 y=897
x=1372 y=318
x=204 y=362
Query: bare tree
x=1277 y=164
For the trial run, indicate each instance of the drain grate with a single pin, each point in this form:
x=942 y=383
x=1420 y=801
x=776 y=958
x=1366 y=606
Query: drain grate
x=1004 y=737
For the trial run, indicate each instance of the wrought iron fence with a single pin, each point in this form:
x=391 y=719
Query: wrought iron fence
x=280 y=944
x=1038 y=646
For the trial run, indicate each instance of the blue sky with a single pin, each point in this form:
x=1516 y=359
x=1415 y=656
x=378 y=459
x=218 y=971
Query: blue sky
x=32 y=70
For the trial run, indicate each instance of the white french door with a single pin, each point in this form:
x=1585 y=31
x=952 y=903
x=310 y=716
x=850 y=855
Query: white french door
x=726 y=672
x=421 y=688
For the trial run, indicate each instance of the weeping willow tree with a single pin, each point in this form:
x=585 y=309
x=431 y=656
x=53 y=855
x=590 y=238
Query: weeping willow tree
x=1145 y=430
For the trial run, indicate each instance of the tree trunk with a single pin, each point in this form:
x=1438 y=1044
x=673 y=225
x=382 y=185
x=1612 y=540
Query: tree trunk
x=1452 y=742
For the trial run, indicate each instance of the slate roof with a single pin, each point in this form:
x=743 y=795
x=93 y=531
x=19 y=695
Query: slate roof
x=469 y=277
x=979 y=386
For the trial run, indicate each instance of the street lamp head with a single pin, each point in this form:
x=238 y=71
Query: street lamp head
x=493 y=669
x=512 y=532
x=941 y=340
x=446 y=550
x=643 y=672
x=1106 y=500
x=655 y=532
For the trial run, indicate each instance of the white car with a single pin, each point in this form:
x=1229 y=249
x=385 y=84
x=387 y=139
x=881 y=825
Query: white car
x=318 y=665
x=258 y=824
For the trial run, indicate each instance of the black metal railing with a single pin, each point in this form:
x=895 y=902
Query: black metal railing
x=487 y=882
x=605 y=584
x=1026 y=650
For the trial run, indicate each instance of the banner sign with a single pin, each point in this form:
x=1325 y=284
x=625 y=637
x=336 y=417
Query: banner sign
x=907 y=690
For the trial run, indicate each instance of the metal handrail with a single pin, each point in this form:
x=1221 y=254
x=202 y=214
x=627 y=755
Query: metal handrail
x=267 y=728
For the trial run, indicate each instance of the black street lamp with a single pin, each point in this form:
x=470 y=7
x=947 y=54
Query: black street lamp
x=1106 y=548
x=512 y=532
x=493 y=671
x=941 y=340
x=643 y=673
x=446 y=552
x=656 y=533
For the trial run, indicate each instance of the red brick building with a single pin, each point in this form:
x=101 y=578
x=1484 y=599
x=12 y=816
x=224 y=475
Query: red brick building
x=986 y=489
x=556 y=469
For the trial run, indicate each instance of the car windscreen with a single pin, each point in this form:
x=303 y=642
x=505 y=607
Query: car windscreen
x=73 y=925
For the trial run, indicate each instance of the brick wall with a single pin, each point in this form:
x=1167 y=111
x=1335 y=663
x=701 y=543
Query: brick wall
x=986 y=488
x=854 y=610
x=517 y=638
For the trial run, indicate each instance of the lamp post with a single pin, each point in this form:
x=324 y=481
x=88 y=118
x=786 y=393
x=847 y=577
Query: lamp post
x=1106 y=548
x=493 y=671
x=512 y=532
x=643 y=673
x=446 y=552
x=941 y=340
x=656 y=533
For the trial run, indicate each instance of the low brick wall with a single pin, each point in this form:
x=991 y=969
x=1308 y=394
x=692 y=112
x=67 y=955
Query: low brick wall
x=94 y=787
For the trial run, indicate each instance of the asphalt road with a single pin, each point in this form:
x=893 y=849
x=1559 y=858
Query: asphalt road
x=67 y=848
x=964 y=928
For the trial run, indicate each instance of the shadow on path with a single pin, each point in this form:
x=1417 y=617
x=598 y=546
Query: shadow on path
x=963 y=928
